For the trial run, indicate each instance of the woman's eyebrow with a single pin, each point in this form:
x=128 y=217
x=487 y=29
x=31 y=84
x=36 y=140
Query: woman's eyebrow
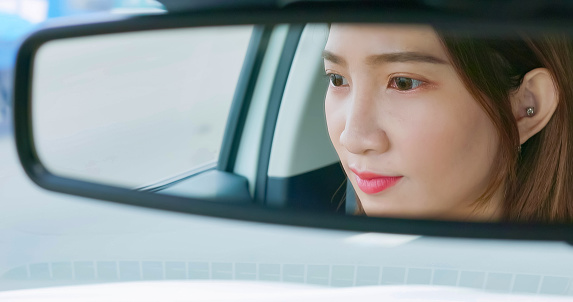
x=401 y=57
x=329 y=56
x=394 y=57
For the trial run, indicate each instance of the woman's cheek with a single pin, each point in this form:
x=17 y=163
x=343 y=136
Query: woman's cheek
x=426 y=139
x=335 y=118
x=444 y=144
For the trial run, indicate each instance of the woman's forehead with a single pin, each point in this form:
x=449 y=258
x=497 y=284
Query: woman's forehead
x=363 y=40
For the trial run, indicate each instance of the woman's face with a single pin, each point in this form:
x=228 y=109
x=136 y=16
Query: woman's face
x=411 y=138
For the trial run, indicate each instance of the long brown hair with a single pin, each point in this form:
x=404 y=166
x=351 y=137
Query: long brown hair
x=538 y=179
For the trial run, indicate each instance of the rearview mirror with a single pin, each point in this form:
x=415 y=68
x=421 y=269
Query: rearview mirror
x=397 y=127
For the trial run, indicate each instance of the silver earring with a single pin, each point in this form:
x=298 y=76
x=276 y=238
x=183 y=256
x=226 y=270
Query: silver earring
x=530 y=111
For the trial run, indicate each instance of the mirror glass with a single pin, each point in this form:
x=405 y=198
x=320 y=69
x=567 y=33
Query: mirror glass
x=374 y=119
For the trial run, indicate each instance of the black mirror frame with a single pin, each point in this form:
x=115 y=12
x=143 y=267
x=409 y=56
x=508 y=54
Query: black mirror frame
x=315 y=13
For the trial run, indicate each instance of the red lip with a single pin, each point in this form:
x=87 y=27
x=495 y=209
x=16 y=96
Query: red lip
x=371 y=183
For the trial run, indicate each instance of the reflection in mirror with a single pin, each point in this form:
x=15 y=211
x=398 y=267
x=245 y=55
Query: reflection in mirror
x=375 y=120
x=450 y=127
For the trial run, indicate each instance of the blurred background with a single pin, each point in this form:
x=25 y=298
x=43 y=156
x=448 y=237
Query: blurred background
x=19 y=17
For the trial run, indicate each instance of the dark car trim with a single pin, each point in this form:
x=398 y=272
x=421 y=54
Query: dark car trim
x=242 y=98
x=320 y=190
x=281 y=76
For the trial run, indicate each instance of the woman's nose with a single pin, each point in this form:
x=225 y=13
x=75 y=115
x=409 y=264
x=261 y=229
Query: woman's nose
x=363 y=132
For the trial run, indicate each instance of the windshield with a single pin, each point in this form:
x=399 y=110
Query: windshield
x=61 y=247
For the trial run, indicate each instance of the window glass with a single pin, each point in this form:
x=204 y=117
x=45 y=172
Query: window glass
x=135 y=109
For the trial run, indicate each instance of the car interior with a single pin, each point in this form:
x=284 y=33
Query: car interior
x=301 y=169
x=276 y=153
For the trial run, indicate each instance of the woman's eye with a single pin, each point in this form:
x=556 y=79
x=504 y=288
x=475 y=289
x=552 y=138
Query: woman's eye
x=337 y=80
x=404 y=83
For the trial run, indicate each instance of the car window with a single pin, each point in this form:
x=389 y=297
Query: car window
x=148 y=114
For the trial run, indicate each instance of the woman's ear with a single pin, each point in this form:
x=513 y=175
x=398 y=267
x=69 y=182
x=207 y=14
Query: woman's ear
x=534 y=102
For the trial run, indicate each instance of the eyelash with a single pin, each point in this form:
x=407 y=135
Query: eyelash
x=392 y=83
